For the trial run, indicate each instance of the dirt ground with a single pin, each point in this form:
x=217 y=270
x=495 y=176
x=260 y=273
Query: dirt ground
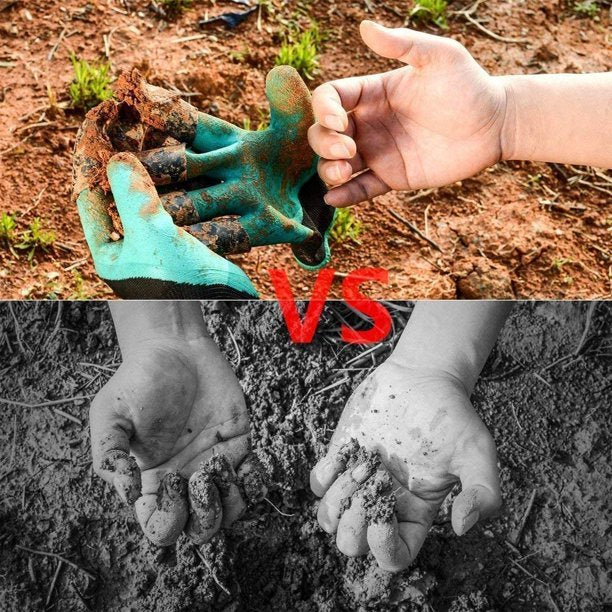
x=545 y=394
x=519 y=229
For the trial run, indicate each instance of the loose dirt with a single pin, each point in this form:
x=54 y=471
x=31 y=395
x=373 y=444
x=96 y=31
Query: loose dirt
x=544 y=394
x=518 y=229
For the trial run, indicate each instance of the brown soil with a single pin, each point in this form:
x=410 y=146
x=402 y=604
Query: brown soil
x=529 y=230
x=544 y=394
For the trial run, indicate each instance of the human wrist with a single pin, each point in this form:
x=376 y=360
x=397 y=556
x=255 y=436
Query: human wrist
x=451 y=338
x=141 y=322
x=508 y=131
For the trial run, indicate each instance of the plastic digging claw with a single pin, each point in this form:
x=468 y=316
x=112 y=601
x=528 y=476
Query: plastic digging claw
x=229 y=188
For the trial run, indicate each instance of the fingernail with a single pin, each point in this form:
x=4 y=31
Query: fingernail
x=334 y=173
x=339 y=149
x=470 y=520
x=332 y=199
x=333 y=122
x=362 y=472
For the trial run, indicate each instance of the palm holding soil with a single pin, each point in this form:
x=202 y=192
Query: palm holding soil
x=428 y=124
x=171 y=404
x=428 y=436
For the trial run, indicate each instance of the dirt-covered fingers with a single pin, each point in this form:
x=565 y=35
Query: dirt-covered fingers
x=110 y=447
x=339 y=494
x=163 y=515
x=215 y=497
x=331 y=466
x=351 y=537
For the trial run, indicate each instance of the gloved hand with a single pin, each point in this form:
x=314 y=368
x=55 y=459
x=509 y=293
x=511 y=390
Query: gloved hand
x=267 y=178
x=173 y=404
x=428 y=436
x=155 y=258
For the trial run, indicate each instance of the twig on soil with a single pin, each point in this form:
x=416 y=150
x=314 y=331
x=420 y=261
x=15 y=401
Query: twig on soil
x=68 y=416
x=17 y=328
x=587 y=326
x=46 y=553
x=488 y=32
x=34 y=126
x=35 y=203
x=519 y=532
x=46 y=404
x=277 y=509
x=16 y=145
x=212 y=572
x=542 y=379
x=57 y=44
x=235 y=347
x=60 y=563
x=528 y=573
x=415 y=230
x=332 y=386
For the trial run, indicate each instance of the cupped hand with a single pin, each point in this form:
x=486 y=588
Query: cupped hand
x=433 y=122
x=428 y=437
x=171 y=405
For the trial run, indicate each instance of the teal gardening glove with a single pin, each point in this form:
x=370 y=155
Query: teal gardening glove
x=265 y=179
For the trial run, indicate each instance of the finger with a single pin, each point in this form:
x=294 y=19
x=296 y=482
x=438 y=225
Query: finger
x=329 y=467
x=206 y=509
x=135 y=195
x=329 y=144
x=334 y=502
x=253 y=478
x=162 y=516
x=481 y=495
x=110 y=447
x=387 y=546
x=351 y=537
x=409 y=46
x=328 y=108
x=363 y=187
x=335 y=172
x=224 y=477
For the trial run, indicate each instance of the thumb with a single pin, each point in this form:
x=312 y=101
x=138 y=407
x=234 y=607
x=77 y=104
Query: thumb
x=408 y=46
x=480 y=496
x=110 y=447
x=135 y=195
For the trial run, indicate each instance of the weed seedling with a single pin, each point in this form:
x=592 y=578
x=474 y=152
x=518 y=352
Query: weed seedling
x=558 y=263
x=346 y=226
x=7 y=228
x=35 y=237
x=588 y=8
x=430 y=11
x=301 y=51
x=91 y=84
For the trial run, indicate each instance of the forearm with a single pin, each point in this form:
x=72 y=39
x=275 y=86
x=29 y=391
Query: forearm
x=141 y=321
x=455 y=337
x=563 y=118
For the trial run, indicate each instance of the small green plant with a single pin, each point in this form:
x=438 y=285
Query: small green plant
x=262 y=123
x=589 y=8
x=558 y=263
x=174 y=8
x=79 y=291
x=346 y=226
x=430 y=11
x=91 y=84
x=35 y=237
x=301 y=51
x=533 y=180
x=7 y=228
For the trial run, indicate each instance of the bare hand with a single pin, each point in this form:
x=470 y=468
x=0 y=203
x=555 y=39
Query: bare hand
x=428 y=436
x=433 y=122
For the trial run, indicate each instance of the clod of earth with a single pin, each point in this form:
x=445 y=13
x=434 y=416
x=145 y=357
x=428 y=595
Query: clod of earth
x=164 y=515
